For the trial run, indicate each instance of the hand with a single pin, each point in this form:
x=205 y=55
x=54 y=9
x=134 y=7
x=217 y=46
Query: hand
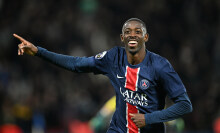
x=138 y=119
x=25 y=46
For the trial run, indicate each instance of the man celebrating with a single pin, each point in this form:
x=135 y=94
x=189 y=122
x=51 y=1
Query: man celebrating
x=142 y=80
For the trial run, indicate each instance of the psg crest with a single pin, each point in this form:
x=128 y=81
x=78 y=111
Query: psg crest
x=144 y=84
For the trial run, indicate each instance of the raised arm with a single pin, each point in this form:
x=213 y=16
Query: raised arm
x=75 y=64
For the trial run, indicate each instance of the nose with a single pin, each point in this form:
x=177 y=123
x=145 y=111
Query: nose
x=133 y=33
x=132 y=36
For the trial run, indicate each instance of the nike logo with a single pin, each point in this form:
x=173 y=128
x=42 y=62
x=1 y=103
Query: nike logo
x=119 y=77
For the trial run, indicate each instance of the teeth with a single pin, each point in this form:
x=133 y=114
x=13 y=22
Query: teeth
x=132 y=41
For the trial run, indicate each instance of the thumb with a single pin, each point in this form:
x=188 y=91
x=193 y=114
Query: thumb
x=131 y=114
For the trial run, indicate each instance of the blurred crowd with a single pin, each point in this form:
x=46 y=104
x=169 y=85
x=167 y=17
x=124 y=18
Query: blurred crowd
x=40 y=97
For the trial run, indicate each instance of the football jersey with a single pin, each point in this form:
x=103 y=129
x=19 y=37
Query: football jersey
x=140 y=88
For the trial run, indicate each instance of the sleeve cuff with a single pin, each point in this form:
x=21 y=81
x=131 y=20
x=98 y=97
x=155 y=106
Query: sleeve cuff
x=148 y=119
x=39 y=51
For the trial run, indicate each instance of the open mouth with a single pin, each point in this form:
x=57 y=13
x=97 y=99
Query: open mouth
x=132 y=43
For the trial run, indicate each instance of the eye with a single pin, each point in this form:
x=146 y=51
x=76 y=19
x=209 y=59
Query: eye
x=138 y=32
x=127 y=32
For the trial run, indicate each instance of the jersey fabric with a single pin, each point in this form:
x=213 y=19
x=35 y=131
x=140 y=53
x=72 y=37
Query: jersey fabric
x=140 y=88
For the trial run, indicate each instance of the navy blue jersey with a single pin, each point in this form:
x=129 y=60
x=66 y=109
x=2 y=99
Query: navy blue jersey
x=140 y=88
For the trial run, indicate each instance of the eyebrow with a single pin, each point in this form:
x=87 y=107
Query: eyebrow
x=135 y=28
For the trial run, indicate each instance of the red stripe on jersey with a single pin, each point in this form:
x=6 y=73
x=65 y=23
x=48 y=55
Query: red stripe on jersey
x=131 y=84
x=132 y=128
x=131 y=78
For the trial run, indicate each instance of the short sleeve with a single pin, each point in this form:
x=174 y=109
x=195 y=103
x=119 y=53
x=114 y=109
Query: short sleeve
x=170 y=80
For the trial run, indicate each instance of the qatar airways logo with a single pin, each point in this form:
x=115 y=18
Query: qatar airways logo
x=134 y=97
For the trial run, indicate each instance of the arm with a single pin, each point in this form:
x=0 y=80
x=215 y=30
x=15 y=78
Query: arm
x=76 y=64
x=181 y=106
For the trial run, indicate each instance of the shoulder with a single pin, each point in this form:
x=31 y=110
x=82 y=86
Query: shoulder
x=116 y=50
x=104 y=54
x=112 y=55
x=157 y=61
x=115 y=53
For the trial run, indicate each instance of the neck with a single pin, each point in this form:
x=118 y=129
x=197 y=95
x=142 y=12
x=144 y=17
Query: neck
x=136 y=58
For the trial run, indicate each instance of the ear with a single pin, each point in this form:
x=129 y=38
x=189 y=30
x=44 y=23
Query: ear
x=122 y=37
x=146 y=36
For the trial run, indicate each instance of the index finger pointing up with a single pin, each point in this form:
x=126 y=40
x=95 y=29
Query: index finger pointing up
x=18 y=37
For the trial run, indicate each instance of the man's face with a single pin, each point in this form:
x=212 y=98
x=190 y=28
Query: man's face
x=134 y=36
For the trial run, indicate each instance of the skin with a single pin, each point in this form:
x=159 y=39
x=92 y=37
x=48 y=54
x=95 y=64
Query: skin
x=132 y=30
x=25 y=46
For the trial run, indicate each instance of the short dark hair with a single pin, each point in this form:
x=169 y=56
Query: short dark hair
x=135 y=19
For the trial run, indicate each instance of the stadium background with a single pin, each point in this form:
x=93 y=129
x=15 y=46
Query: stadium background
x=36 y=94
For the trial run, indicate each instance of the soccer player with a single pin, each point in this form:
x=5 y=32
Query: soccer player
x=142 y=80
